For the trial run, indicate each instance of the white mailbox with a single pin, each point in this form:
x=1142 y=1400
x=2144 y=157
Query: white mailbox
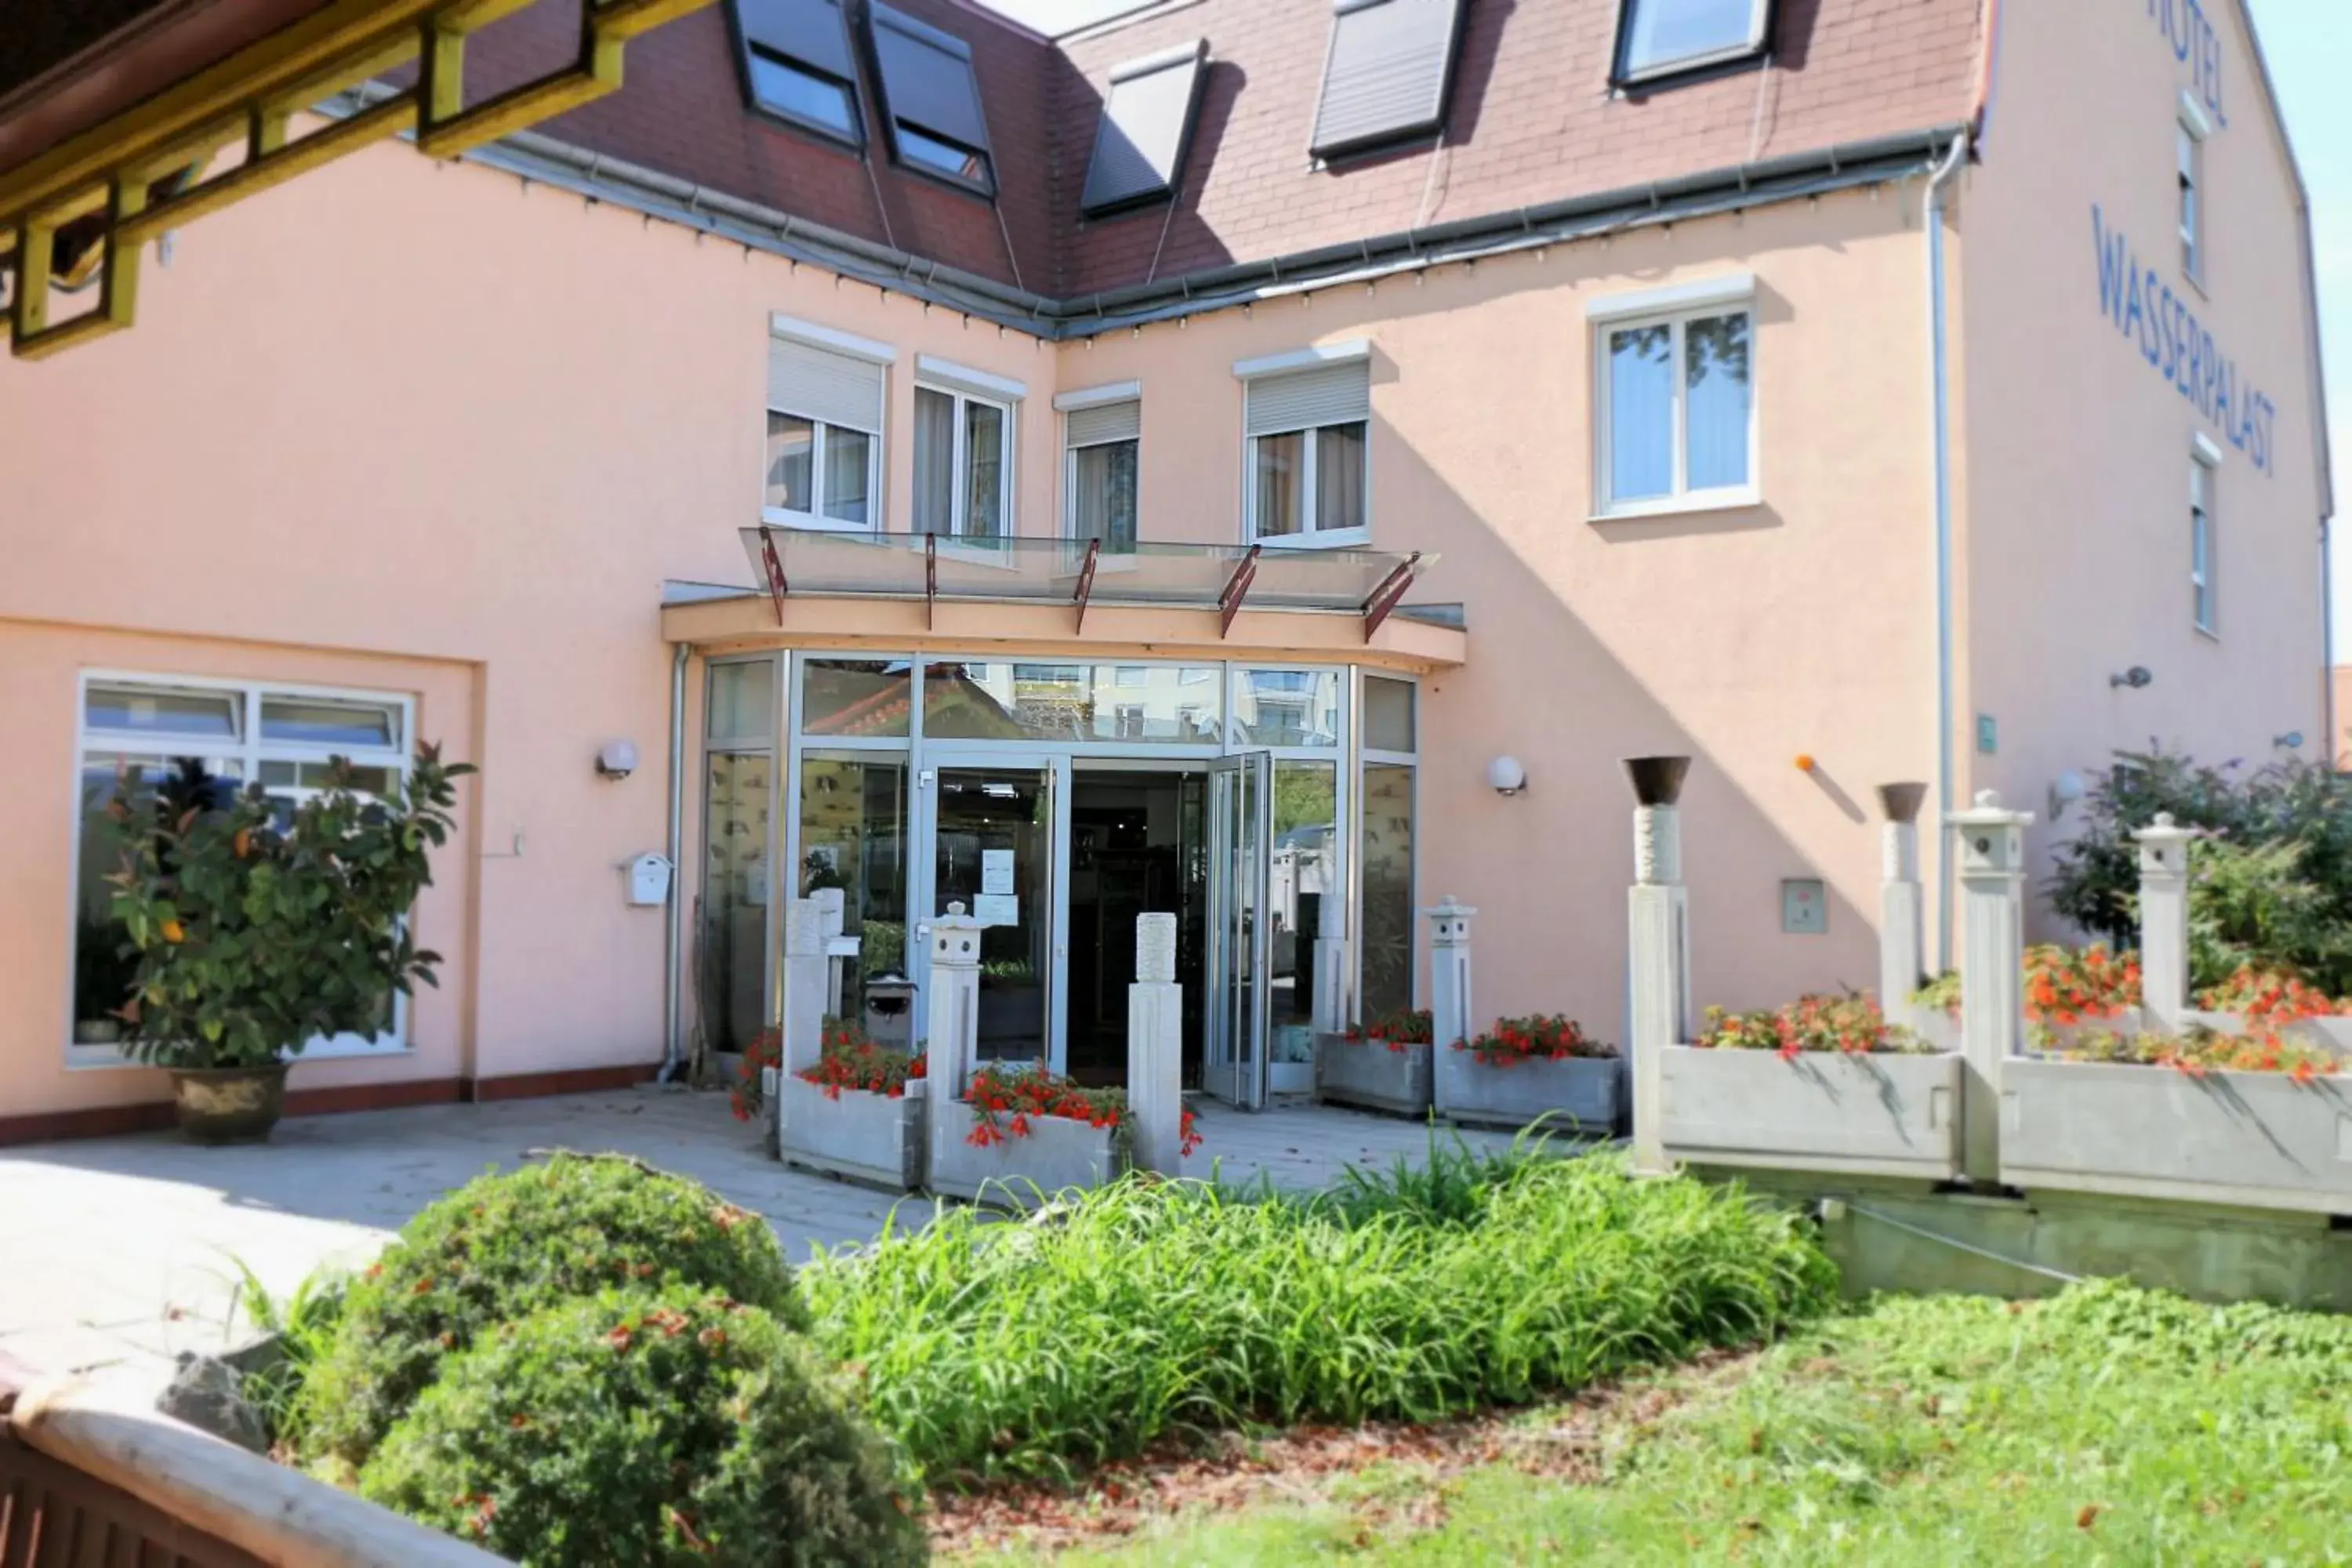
x=649 y=877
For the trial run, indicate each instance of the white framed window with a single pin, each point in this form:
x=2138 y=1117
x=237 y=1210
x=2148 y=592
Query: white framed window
x=1660 y=37
x=2205 y=465
x=825 y=428
x=1675 y=403
x=963 y=450
x=284 y=736
x=1307 y=422
x=2188 y=141
x=1102 y=440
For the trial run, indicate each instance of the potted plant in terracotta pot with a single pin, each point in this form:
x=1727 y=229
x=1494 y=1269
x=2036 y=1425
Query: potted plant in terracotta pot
x=256 y=932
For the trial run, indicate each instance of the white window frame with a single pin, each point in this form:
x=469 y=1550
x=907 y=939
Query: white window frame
x=849 y=346
x=1673 y=307
x=1309 y=537
x=968 y=386
x=1094 y=397
x=2195 y=130
x=2205 y=599
x=1760 y=22
x=248 y=751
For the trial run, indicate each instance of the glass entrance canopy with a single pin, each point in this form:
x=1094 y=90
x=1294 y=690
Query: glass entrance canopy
x=1224 y=578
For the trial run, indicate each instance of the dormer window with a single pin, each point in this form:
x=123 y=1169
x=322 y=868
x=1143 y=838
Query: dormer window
x=1147 y=122
x=1663 y=38
x=1387 y=73
x=931 y=99
x=797 y=64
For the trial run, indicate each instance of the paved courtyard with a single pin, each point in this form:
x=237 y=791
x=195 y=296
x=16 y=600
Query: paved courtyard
x=124 y=1248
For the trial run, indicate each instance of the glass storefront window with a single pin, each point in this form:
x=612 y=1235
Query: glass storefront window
x=857 y=697
x=1387 y=889
x=1388 y=714
x=1155 y=704
x=742 y=702
x=854 y=834
x=733 y=959
x=1287 y=708
x=1299 y=905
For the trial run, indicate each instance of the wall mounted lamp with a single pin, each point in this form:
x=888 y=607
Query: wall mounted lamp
x=1505 y=776
x=2135 y=678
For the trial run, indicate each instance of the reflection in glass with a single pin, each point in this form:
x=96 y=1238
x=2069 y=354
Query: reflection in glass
x=934 y=461
x=1387 y=889
x=742 y=701
x=855 y=836
x=323 y=721
x=1287 y=708
x=984 y=516
x=1281 y=462
x=780 y=85
x=1306 y=876
x=1641 y=414
x=143 y=712
x=1102 y=490
x=792 y=475
x=1716 y=360
x=1340 y=477
x=1388 y=714
x=995 y=857
x=732 y=967
x=1155 y=704
x=857 y=697
x=848 y=457
x=1662 y=32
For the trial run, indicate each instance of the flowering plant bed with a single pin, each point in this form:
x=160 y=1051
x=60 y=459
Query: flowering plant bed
x=2196 y=1051
x=1823 y=1084
x=1542 y=1071
x=1024 y=1133
x=2064 y=987
x=1353 y=1069
x=859 y=1113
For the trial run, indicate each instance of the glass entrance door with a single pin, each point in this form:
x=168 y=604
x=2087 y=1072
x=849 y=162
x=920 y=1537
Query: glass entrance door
x=997 y=829
x=1241 y=818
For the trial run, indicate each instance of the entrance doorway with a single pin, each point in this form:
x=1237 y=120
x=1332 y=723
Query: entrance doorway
x=1137 y=846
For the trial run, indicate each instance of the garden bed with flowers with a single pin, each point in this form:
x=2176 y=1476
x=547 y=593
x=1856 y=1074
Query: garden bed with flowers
x=1023 y=1133
x=1825 y=1084
x=1542 y=1071
x=1380 y=1066
x=859 y=1113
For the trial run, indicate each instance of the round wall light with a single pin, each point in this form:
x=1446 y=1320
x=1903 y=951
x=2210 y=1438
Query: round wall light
x=1506 y=776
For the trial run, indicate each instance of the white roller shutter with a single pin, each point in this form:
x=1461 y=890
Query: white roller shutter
x=818 y=384
x=1104 y=423
x=1303 y=399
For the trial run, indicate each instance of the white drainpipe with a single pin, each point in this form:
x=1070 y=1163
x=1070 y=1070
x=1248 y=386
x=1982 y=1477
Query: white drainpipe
x=1932 y=225
x=673 y=1054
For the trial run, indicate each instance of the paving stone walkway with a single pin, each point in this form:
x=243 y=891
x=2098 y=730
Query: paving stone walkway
x=125 y=1249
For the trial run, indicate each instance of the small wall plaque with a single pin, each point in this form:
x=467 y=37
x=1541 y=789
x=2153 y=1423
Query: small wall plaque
x=1804 y=907
x=1988 y=734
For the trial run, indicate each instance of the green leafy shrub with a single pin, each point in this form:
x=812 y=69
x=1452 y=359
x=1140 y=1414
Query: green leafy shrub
x=505 y=1246
x=303 y=1323
x=641 y=1427
x=1154 y=1308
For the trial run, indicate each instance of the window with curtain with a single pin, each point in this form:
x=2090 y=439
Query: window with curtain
x=1309 y=454
x=824 y=441
x=1679 y=411
x=1104 y=443
x=963 y=447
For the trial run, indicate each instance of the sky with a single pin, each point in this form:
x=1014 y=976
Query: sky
x=2308 y=44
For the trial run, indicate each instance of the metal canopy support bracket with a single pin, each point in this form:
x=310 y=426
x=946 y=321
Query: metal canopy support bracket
x=1086 y=580
x=931 y=580
x=1388 y=593
x=1237 y=587
x=778 y=587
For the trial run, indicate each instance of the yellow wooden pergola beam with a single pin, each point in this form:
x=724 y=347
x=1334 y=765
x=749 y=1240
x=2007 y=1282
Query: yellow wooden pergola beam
x=253 y=96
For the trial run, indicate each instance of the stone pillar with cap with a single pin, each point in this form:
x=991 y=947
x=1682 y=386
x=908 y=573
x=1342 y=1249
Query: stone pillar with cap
x=1991 y=844
x=1902 y=901
x=801 y=1025
x=831 y=914
x=953 y=1037
x=1449 y=973
x=1155 y=1048
x=1657 y=917
x=2164 y=921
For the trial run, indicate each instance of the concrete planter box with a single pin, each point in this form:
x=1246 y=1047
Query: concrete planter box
x=1573 y=1094
x=1020 y=1172
x=1367 y=1074
x=861 y=1136
x=1822 y=1110
x=2255 y=1140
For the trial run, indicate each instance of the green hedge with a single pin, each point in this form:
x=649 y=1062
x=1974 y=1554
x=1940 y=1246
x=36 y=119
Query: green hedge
x=1149 y=1308
x=643 y=1427
x=506 y=1245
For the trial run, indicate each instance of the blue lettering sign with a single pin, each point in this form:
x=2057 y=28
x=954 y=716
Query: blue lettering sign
x=2148 y=313
x=2196 y=44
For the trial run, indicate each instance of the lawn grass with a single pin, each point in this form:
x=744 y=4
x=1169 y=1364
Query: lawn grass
x=2107 y=1425
x=1155 y=1310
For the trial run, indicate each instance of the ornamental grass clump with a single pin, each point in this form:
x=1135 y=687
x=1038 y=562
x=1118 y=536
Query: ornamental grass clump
x=505 y=1246
x=1398 y=1031
x=1154 y=1310
x=636 y=1426
x=1851 y=1024
x=1541 y=1038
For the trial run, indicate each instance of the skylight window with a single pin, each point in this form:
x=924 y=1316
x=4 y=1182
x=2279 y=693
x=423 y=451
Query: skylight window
x=932 y=100
x=1147 y=122
x=1386 y=76
x=1659 y=37
x=796 y=60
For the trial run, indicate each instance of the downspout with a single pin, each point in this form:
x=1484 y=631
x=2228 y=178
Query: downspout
x=673 y=1055
x=1939 y=346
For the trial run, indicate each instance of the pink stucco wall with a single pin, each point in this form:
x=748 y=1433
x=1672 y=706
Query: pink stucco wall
x=2077 y=454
